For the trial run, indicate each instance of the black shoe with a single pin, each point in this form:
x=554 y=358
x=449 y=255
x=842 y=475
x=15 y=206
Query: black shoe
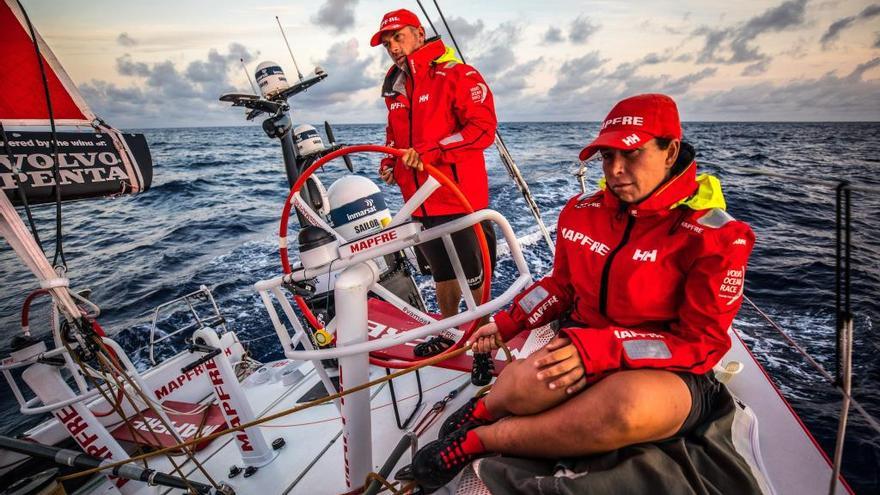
x=438 y=462
x=433 y=346
x=483 y=366
x=462 y=420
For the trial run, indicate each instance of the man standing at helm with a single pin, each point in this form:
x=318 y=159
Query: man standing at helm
x=441 y=112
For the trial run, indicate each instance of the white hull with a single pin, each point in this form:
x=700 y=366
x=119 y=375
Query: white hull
x=312 y=461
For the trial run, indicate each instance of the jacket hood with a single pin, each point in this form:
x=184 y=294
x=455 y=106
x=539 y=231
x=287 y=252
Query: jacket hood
x=433 y=52
x=684 y=189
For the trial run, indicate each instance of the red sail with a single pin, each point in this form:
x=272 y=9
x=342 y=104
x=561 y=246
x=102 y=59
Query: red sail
x=22 y=94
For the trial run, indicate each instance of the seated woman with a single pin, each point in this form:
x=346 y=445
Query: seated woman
x=647 y=277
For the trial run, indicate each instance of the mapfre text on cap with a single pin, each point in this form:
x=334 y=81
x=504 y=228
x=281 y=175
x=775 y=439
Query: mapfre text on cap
x=624 y=120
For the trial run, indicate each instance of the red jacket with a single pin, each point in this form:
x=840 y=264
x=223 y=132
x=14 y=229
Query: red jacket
x=652 y=285
x=449 y=120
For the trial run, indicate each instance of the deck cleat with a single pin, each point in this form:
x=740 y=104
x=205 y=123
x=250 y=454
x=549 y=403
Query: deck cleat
x=250 y=471
x=234 y=471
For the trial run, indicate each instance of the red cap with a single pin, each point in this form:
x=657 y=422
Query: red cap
x=635 y=121
x=393 y=21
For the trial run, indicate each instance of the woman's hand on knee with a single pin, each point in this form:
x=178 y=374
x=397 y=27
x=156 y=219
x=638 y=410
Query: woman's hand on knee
x=561 y=367
x=485 y=339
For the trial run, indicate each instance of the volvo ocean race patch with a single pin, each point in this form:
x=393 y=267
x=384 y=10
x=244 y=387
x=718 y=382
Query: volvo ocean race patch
x=478 y=93
x=732 y=285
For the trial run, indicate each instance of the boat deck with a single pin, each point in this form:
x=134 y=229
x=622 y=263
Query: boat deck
x=312 y=461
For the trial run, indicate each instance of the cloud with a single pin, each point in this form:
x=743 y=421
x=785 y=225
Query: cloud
x=627 y=69
x=578 y=72
x=859 y=71
x=736 y=41
x=684 y=57
x=553 y=35
x=757 y=68
x=828 y=97
x=585 y=84
x=336 y=14
x=163 y=93
x=496 y=55
x=517 y=79
x=851 y=96
x=127 y=67
x=586 y=87
x=347 y=73
x=679 y=86
x=125 y=40
x=839 y=25
x=465 y=32
x=582 y=29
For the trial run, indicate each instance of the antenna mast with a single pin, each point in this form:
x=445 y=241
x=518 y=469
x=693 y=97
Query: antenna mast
x=298 y=73
x=248 y=77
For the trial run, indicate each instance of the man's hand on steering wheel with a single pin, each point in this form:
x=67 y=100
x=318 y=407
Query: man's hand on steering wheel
x=485 y=339
x=411 y=159
x=562 y=366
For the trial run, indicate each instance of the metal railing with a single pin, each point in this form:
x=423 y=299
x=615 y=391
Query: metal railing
x=202 y=295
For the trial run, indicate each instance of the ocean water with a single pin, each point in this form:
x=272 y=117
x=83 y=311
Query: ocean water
x=211 y=218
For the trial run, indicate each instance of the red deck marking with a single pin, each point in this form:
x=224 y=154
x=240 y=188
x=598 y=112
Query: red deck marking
x=186 y=424
x=385 y=319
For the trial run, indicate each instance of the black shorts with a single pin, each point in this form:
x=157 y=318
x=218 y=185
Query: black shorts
x=467 y=247
x=704 y=389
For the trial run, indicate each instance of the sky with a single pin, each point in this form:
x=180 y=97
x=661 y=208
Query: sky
x=164 y=63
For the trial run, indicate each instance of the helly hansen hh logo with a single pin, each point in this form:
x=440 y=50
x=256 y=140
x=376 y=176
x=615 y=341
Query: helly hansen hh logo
x=640 y=255
x=631 y=140
x=423 y=98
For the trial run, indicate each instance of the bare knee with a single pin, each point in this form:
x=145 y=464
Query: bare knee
x=619 y=421
x=509 y=394
x=630 y=413
x=519 y=392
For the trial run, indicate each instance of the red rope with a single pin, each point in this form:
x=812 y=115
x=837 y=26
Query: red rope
x=26 y=306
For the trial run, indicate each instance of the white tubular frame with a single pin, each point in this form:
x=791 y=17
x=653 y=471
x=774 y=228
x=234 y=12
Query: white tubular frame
x=29 y=406
x=459 y=272
x=419 y=197
x=313 y=218
x=432 y=326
